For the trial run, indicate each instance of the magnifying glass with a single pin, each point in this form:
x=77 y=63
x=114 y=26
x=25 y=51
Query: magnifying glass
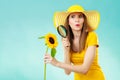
x=62 y=31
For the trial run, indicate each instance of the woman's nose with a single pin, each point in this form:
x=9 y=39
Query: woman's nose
x=76 y=19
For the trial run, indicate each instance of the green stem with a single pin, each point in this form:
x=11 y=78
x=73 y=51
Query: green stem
x=44 y=71
x=47 y=49
x=45 y=66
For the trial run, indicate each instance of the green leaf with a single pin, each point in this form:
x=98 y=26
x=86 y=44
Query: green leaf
x=53 y=52
x=41 y=37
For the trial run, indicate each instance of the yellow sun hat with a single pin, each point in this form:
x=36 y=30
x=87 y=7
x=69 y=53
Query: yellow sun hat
x=93 y=17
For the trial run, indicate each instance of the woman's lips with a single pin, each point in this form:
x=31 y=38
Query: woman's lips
x=77 y=25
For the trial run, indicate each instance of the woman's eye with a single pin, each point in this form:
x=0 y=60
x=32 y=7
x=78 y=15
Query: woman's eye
x=80 y=16
x=72 y=16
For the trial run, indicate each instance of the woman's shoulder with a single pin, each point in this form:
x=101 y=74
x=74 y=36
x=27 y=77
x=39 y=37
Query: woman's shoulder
x=92 y=34
x=92 y=39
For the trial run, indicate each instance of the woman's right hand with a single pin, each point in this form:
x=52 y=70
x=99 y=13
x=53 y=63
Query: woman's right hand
x=66 y=44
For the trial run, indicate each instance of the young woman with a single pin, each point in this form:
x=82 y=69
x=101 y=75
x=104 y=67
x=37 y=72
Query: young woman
x=81 y=44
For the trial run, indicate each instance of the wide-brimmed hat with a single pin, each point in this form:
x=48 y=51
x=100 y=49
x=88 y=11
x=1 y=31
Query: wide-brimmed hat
x=93 y=17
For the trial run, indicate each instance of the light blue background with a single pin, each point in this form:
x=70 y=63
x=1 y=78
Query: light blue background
x=23 y=21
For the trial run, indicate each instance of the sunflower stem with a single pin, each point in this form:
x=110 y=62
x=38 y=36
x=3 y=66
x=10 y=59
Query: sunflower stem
x=47 y=49
x=45 y=66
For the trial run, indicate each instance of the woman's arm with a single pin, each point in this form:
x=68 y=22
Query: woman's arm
x=66 y=48
x=67 y=61
x=88 y=59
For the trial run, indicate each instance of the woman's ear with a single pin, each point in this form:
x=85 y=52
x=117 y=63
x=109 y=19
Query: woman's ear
x=86 y=30
x=89 y=29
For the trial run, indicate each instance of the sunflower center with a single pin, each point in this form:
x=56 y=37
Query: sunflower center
x=51 y=40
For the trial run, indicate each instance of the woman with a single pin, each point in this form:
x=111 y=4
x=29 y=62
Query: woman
x=81 y=44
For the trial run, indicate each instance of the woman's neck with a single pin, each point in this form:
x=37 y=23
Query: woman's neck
x=76 y=34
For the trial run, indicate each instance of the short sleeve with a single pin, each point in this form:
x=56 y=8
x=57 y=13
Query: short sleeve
x=92 y=39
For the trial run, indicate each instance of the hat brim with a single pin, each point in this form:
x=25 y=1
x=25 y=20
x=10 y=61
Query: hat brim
x=93 y=18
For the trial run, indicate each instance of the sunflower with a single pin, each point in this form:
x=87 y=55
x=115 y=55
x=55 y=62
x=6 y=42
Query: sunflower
x=51 y=40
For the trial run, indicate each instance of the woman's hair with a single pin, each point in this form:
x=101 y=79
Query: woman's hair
x=83 y=37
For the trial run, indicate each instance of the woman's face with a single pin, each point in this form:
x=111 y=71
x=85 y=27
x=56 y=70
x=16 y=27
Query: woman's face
x=76 y=21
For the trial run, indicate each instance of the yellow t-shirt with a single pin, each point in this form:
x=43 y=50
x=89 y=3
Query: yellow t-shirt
x=95 y=72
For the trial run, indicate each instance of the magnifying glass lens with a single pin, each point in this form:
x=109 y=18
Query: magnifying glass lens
x=62 y=31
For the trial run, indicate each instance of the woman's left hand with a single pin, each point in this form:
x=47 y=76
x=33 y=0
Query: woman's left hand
x=49 y=59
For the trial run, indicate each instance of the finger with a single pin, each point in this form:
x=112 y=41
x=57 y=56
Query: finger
x=64 y=39
x=46 y=57
x=47 y=61
x=46 y=54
